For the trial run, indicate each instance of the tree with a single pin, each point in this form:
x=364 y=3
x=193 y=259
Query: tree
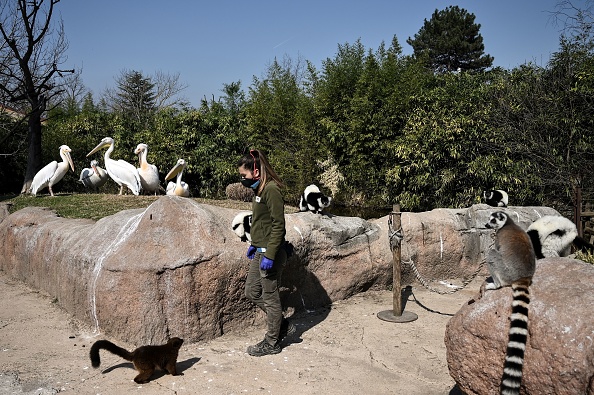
x=361 y=103
x=167 y=88
x=135 y=96
x=334 y=94
x=74 y=93
x=546 y=113
x=233 y=98
x=280 y=119
x=446 y=153
x=138 y=93
x=30 y=52
x=138 y=97
x=574 y=21
x=451 y=41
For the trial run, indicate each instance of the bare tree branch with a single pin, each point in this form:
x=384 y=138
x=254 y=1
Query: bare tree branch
x=31 y=49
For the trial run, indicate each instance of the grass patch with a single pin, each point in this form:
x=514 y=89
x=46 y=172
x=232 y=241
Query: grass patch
x=97 y=205
x=587 y=257
x=92 y=206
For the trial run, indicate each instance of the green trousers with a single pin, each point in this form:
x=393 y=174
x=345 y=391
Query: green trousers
x=261 y=287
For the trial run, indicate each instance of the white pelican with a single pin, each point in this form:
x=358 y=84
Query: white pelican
x=149 y=175
x=52 y=172
x=122 y=172
x=178 y=188
x=94 y=176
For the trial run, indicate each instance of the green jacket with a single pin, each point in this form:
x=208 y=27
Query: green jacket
x=268 y=220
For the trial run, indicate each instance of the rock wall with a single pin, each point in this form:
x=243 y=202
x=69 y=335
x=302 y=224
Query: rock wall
x=177 y=269
x=449 y=244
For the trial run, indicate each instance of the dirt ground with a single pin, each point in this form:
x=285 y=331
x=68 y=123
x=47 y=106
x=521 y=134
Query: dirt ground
x=344 y=349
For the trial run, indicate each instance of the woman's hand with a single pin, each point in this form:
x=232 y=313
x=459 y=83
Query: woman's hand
x=266 y=264
x=251 y=252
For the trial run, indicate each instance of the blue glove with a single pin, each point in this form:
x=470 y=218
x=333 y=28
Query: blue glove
x=266 y=264
x=251 y=252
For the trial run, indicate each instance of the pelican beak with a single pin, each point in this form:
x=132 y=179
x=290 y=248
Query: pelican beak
x=97 y=148
x=69 y=158
x=173 y=172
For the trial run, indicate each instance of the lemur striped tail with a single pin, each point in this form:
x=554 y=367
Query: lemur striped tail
x=518 y=336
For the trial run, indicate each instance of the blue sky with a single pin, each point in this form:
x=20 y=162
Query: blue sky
x=211 y=43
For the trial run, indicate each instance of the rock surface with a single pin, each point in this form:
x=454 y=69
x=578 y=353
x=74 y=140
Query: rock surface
x=559 y=357
x=177 y=269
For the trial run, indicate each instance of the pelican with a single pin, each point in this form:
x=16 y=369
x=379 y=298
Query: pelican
x=53 y=172
x=149 y=175
x=178 y=188
x=94 y=176
x=122 y=172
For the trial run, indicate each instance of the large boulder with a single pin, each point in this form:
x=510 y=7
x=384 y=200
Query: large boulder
x=177 y=268
x=559 y=356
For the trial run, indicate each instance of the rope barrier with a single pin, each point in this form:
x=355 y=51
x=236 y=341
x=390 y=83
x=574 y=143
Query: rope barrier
x=425 y=283
x=396 y=237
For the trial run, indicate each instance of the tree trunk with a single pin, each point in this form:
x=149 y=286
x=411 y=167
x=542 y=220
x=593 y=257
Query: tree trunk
x=35 y=158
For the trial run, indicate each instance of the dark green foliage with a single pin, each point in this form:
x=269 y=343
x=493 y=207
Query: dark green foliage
x=449 y=152
x=545 y=115
x=281 y=122
x=13 y=155
x=450 y=41
x=362 y=102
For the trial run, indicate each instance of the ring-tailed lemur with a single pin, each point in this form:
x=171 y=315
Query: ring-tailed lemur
x=512 y=262
x=495 y=198
x=553 y=235
x=242 y=225
x=313 y=200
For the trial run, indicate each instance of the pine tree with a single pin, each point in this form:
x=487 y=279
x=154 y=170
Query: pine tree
x=136 y=95
x=451 y=41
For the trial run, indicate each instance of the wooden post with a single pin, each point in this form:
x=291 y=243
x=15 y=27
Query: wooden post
x=578 y=211
x=395 y=232
x=397 y=263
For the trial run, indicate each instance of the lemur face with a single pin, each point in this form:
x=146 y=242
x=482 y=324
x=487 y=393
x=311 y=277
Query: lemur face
x=325 y=201
x=497 y=220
